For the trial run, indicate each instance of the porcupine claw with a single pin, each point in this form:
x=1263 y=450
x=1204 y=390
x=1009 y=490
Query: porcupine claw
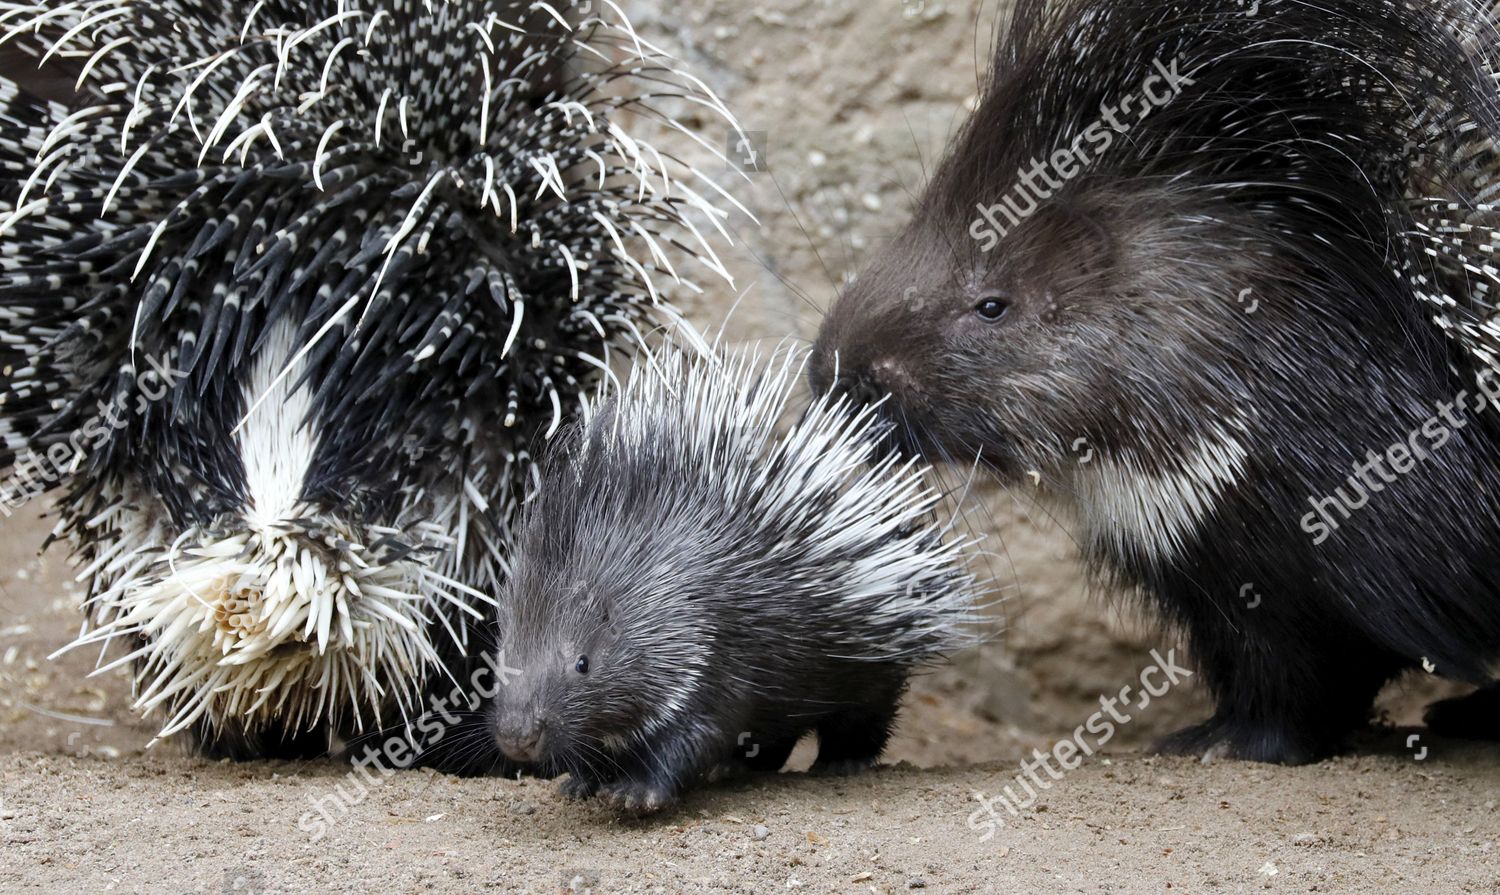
x=578 y=787
x=637 y=796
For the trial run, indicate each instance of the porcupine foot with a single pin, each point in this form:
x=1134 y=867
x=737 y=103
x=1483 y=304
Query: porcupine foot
x=578 y=787
x=1298 y=717
x=1227 y=738
x=1472 y=717
x=638 y=796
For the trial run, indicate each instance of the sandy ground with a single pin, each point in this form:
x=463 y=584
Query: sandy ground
x=850 y=101
x=85 y=806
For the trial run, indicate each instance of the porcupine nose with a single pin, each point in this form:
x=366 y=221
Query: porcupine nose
x=859 y=386
x=520 y=742
x=856 y=383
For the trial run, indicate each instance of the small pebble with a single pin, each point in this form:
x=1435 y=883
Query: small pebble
x=522 y=808
x=759 y=832
x=916 y=883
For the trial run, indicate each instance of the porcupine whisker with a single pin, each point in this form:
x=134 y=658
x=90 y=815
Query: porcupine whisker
x=833 y=282
x=800 y=294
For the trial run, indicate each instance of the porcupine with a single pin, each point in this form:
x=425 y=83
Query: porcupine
x=289 y=296
x=692 y=592
x=1195 y=269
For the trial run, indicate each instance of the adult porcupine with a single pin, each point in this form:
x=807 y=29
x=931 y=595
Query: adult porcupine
x=371 y=252
x=1197 y=267
x=691 y=590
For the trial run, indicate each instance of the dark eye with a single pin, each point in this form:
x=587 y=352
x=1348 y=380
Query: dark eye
x=992 y=308
x=582 y=665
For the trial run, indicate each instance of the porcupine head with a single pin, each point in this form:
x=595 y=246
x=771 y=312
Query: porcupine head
x=1182 y=269
x=291 y=295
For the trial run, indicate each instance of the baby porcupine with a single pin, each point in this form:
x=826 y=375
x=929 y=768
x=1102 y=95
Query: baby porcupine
x=289 y=293
x=691 y=590
x=1201 y=270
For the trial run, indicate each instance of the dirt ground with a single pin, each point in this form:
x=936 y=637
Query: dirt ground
x=85 y=806
x=849 y=102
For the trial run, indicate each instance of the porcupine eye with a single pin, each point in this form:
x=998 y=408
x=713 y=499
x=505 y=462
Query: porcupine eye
x=992 y=308
x=582 y=665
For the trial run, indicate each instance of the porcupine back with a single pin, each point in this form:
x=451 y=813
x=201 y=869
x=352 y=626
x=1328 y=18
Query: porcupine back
x=301 y=288
x=1370 y=125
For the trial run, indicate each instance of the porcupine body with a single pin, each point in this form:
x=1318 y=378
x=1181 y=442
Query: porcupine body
x=692 y=591
x=1220 y=277
x=289 y=295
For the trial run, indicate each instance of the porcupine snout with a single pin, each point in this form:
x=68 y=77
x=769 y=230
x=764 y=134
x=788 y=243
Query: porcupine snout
x=859 y=385
x=863 y=377
x=520 y=736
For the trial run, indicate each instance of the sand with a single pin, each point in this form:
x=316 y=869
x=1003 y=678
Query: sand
x=86 y=807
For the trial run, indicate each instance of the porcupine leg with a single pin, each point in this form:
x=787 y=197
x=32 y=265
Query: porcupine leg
x=658 y=773
x=1278 y=697
x=1472 y=717
x=851 y=740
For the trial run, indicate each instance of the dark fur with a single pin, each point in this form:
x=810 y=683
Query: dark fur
x=1283 y=170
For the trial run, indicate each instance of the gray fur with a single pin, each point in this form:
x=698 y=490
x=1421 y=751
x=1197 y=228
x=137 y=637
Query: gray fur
x=732 y=590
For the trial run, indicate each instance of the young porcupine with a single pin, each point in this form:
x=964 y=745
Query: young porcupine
x=692 y=591
x=1199 y=269
x=289 y=294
